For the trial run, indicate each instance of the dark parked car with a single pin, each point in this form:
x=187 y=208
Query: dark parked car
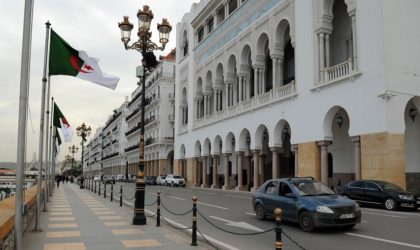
x=150 y=180
x=380 y=193
x=108 y=180
x=306 y=201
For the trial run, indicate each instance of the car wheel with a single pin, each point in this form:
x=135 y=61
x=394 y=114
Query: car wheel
x=306 y=221
x=390 y=204
x=259 y=212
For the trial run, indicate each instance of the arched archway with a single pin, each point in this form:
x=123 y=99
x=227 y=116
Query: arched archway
x=219 y=88
x=412 y=144
x=283 y=156
x=265 y=63
x=339 y=162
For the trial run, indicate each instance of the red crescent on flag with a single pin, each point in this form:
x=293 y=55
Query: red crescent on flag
x=73 y=61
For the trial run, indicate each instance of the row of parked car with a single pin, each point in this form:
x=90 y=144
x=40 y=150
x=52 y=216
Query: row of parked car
x=312 y=204
x=164 y=180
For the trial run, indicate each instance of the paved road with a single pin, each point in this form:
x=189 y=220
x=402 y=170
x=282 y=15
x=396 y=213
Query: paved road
x=232 y=211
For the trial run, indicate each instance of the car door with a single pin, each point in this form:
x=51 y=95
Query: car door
x=373 y=193
x=269 y=197
x=356 y=190
x=287 y=201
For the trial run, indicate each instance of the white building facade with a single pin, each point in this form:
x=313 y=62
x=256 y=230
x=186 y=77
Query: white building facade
x=323 y=88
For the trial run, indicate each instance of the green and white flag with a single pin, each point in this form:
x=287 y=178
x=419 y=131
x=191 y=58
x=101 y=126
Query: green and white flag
x=57 y=142
x=64 y=60
x=60 y=121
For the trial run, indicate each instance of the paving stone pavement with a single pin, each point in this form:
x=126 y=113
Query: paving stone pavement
x=80 y=220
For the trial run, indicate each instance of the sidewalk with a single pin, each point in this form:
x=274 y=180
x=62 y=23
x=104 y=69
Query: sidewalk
x=80 y=220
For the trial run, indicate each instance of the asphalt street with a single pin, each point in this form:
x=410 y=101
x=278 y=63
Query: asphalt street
x=231 y=214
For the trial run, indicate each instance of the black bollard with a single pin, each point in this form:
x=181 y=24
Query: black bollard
x=95 y=187
x=99 y=191
x=105 y=190
x=112 y=192
x=158 y=210
x=121 y=195
x=194 y=225
x=278 y=213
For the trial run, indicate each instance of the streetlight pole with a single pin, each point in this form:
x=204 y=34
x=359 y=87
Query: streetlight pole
x=83 y=131
x=73 y=149
x=146 y=47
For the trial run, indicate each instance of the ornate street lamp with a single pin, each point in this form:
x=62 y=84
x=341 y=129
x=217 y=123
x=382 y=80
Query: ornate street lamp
x=83 y=131
x=73 y=149
x=146 y=47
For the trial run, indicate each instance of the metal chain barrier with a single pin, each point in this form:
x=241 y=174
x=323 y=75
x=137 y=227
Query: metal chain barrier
x=182 y=228
x=148 y=205
x=208 y=242
x=125 y=197
x=179 y=214
x=227 y=231
x=293 y=241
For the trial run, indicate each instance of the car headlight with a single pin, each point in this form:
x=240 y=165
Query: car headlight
x=324 y=209
x=405 y=197
x=357 y=207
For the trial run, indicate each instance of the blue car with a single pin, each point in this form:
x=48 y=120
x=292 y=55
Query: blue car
x=306 y=201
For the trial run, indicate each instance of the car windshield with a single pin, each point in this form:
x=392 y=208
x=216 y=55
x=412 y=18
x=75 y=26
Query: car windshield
x=388 y=186
x=177 y=177
x=307 y=188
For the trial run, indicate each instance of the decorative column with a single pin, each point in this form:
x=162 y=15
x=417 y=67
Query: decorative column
x=227 y=88
x=239 y=163
x=356 y=144
x=327 y=50
x=215 y=180
x=226 y=185
x=205 y=105
x=276 y=164
x=215 y=100
x=256 y=80
x=324 y=160
x=256 y=164
x=240 y=88
x=294 y=148
x=263 y=82
x=231 y=94
x=321 y=55
x=354 y=38
x=204 y=173
x=261 y=167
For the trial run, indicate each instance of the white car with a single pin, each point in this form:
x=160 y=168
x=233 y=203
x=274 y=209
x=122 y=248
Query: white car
x=175 y=180
x=97 y=178
x=121 y=177
x=161 y=180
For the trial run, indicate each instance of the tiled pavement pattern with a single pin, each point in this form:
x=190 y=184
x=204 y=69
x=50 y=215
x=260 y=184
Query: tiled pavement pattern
x=80 y=220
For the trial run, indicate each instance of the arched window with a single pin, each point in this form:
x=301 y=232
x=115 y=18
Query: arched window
x=185 y=43
x=268 y=69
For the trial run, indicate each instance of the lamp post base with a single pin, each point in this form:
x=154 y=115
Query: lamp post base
x=139 y=216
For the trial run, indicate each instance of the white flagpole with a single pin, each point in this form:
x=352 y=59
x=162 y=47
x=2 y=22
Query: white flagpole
x=23 y=110
x=52 y=144
x=41 y=136
x=48 y=190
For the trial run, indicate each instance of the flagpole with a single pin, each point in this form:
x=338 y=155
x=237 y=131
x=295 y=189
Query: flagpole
x=23 y=111
x=41 y=134
x=51 y=138
x=53 y=135
x=47 y=146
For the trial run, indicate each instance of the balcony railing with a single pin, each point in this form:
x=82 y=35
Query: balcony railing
x=272 y=96
x=136 y=111
x=132 y=148
x=149 y=120
x=134 y=129
x=110 y=156
x=337 y=71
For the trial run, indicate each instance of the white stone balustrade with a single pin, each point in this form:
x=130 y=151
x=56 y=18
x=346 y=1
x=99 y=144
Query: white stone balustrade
x=338 y=71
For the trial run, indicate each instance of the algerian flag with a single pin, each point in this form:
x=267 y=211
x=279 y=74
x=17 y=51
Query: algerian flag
x=57 y=141
x=64 y=60
x=61 y=122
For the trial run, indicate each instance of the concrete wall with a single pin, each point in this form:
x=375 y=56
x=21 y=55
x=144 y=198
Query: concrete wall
x=383 y=157
x=7 y=217
x=309 y=159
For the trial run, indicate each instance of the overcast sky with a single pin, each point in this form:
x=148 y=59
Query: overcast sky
x=86 y=25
